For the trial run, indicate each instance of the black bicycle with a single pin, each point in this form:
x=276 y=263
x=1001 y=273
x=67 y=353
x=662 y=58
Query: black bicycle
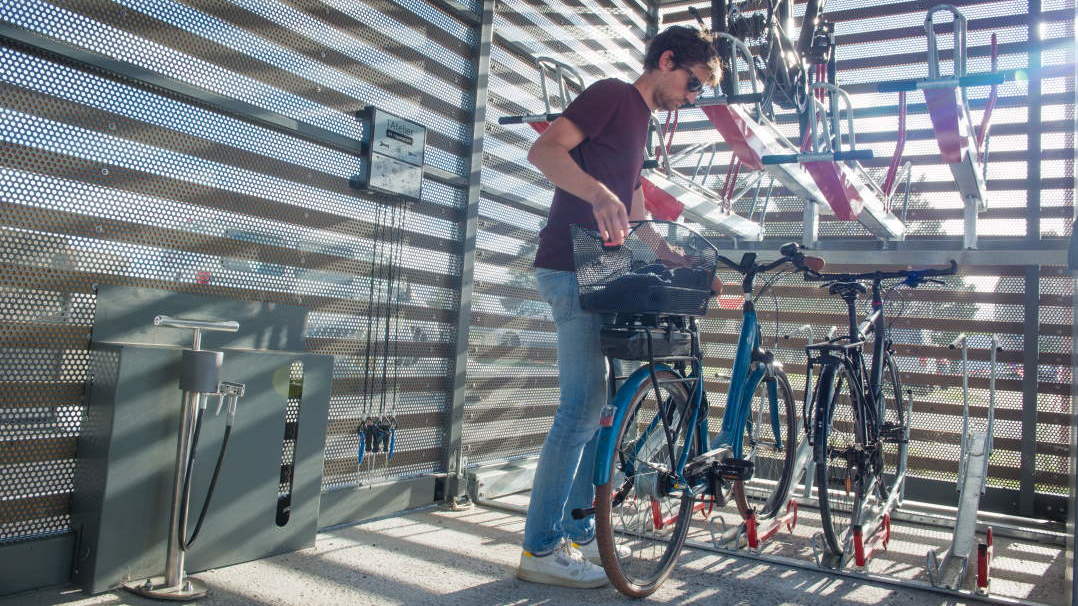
x=782 y=57
x=860 y=416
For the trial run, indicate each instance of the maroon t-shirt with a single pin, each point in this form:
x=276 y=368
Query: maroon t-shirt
x=614 y=119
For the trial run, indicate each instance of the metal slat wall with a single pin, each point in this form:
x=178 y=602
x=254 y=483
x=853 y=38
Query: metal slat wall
x=512 y=372
x=111 y=176
x=887 y=42
x=512 y=368
x=1031 y=190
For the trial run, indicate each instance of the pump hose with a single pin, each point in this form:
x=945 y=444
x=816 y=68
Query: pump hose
x=185 y=543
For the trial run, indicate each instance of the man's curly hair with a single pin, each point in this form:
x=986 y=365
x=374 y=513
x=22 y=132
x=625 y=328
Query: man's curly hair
x=690 y=46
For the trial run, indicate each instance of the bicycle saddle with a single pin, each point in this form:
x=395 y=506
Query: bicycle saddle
x=846 y=288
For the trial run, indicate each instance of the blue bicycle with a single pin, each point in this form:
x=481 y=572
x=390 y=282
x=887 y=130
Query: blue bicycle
x=657 y=460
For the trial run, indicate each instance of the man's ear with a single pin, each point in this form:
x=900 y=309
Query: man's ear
x=667 y=61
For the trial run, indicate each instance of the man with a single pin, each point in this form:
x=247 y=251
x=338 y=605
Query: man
x=593 y=154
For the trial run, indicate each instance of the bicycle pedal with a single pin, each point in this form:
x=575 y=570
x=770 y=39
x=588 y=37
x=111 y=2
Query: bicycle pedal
x=733 y=469
x=893 y=434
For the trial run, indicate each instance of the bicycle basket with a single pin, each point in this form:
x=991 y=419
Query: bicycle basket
x=633 y=279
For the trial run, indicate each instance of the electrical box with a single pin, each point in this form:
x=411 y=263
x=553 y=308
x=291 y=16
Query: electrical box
x=393 y=158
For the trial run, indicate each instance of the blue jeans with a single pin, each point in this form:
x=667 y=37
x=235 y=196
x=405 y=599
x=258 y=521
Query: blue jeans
x=563 y=478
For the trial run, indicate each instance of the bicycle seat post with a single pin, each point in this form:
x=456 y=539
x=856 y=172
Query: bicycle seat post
x=849 y=291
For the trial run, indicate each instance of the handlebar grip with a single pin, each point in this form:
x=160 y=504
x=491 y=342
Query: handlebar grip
x=790 y=249
x=857 y=154
x=985 y=79
x=170 y=322
x=779 y=159
x=950 y=271
x=511 y=120
x=651 y=164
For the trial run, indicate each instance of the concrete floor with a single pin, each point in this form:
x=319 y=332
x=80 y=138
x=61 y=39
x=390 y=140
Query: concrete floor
x=435 y=556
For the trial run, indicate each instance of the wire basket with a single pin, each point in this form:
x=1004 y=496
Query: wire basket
x=662 y=268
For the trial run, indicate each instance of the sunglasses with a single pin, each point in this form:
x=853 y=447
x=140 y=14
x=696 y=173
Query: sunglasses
x=694 y=85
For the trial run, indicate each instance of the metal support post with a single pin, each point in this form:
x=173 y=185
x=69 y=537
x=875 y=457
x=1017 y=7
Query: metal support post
x=455 y=459
x=1071 y=574
x=1031 y=348
x=969 y=227
x=811 y=235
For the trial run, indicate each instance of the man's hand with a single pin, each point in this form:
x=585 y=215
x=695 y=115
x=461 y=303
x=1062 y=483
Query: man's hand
x=671 y=258
x=610 y=216
x=716 y=286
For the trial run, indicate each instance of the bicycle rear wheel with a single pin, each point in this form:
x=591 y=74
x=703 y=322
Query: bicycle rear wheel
x=838 y=430
x=770 y=439
x=641 y=519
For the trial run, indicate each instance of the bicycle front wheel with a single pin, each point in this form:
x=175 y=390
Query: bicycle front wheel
x=837 y=434
x=894 y=431
x=641 y=519
x=769 y=439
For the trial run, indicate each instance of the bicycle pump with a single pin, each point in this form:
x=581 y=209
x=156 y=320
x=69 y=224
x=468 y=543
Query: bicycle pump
x=200 y=379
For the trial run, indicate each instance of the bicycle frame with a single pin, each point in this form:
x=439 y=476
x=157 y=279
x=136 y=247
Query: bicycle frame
x=743 y=382
x=853 y=357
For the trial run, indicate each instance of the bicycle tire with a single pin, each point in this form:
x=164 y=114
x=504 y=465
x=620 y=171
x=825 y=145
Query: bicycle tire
x=838 y=427
x=894 y=453
x=773 y=459
x=631 y=523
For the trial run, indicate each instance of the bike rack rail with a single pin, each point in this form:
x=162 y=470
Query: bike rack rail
x=976 y=447
x=848 y=188
x=817 y=178
x=963 y=147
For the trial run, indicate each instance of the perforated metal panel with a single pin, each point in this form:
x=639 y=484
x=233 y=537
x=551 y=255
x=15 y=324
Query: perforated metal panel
x=512 y=363
x=108 y=179
x=511 y=402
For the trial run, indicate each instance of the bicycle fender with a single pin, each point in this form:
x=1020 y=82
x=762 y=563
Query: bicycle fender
x=604 y=451
x=773 y=409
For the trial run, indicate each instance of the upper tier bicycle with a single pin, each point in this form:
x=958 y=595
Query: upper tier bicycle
x=860 y=415
x=781 y=54
x=657 y=461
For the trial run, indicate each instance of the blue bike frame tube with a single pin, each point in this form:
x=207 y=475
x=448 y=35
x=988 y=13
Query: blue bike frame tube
x=741 y=412
x=732 y=418
x=695 y=423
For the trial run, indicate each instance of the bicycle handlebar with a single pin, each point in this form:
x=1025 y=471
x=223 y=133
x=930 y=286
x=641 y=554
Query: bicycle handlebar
x=913 y=276
x=791 y=253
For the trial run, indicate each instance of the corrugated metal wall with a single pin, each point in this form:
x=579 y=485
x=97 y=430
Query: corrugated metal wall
x=109 y=180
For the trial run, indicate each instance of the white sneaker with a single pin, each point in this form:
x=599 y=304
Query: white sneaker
x=590 y=551
x=564 y=566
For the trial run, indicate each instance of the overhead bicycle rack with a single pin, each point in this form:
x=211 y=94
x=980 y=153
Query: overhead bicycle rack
x=813 y=174
x=962 y=147
x=976 y=449
x=667 y=192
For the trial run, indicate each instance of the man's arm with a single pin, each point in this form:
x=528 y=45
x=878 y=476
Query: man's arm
x=550 y=154
x=638 y=211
